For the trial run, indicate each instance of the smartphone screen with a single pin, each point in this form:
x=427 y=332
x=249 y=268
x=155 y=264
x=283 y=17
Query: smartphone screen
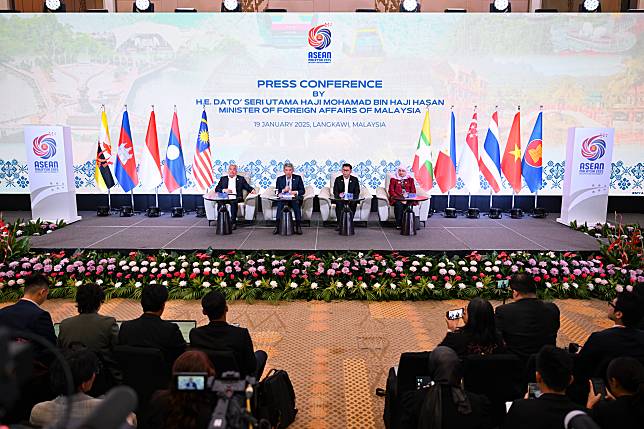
x=455 y=314
x=533 y=390
x=502 y=284
x=599 y=387
x=187 y=381
x=423 y=381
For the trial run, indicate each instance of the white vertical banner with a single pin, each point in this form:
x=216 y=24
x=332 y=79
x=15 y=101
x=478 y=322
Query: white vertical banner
x=589 y=153
x=51 y=173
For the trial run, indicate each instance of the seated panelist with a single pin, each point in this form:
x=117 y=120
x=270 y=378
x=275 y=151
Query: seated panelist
x=346 y=183
x=292 y=184
x=234 y=184
x=399 y=187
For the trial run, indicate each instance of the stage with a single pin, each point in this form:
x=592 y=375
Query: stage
x=192 y=233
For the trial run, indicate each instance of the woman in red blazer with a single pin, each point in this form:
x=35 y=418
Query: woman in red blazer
x=399 y=186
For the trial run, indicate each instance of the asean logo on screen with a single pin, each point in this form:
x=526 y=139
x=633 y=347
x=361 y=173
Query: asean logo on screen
x=44 y=147
x=320 y=39
x=593 y=149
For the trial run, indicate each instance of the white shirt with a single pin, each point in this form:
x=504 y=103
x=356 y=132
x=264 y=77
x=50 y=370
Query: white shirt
x=346 y=184
x=32 y=301
x=288 y=182
x=232 y=183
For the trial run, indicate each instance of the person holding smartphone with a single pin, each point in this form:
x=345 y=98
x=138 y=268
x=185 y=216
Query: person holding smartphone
x=478 y=334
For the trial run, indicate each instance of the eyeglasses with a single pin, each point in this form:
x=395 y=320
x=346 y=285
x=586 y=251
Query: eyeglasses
x=610 y=303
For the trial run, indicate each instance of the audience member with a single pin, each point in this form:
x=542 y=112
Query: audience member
x=479 y=335
x=170 y=409
x=444 y=404
x=528 y=323
x=150 y=330
x=219 y=335
x=554 y=375
x=27 y=314
x=623 y=339
x=96 y=332
x=625 y=403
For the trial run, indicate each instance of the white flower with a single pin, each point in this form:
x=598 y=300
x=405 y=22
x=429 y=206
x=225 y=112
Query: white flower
x=239 y=285
x=132 y=263
x=590 y=286
x=144 y=270
x=412 y=269
x=125 y=268
x=415 y=263
x=164 y=271
x=430 y=285
x=99 y=282
x=121 y=263
x=565 y=285
x=488 y=269
x=78 y=283
x=144 y=263
x=153 y=282
x=428 y=264
x=479 y=285
x=314 y=285
x=164 y=283
x=137 y=284
x=135 y=269
x=461 y=286
x=393 y=286
x=497 y=262
x=162 y=265
x=195 y=264
x=171 y=269
x=59 y=283
x=20 y=281
x=461 y=262
x=338 y=284
x=196 y=270
x=363 y=285
x=473 y=262
x=223 y=284
x=425 y=269
x=173 y=263
x=118 y=284
x=184 y=264
x=183 y=283
x=154 y=270
x=11 y=282
x=376 y=285
x=153 y=263
x=293 y=285
x=575 y=285
x=441 y=265
x=488 y=263
x=216 y=264
x=548 y=285
x=451 y=272
x=349 y=284
x=466 y=269
x=206 y=284
x=495 y=269
x=258 y=282
x=206 y=263
x=182 y=257
x=448 y=285
x=273 y=284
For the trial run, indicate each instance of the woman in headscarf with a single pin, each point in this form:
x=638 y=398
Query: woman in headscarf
x=444 y=404
x=399 y=186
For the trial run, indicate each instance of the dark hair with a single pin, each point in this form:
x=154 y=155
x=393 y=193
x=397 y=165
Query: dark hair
x=628 y=372
x=153 y=297
x=481 y=324
x=82 y=362
x=34 y=282
x=184 y=408
x=214 y=304
x=555 y=366
x=346 y=164
x=89 y=298
x=631 y=307
x=523 y=283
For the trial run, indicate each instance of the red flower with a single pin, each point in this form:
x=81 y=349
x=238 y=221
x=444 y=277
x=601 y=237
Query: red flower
x=434 y=278
x=417 y=278
x=220 y=274
x=457 y=278
x=245 y=273
x=119 y=275
x=565 y=279
x=499 y=276
x=140 y=276
x=127 y=276
x=392 y=274
x=537 y=279
x=232 y=276
x=475 y=278
x=193 y=275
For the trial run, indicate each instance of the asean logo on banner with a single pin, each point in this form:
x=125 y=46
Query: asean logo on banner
x=593 y=148
x=44 y=147
x=319 y=38
x=534 y=151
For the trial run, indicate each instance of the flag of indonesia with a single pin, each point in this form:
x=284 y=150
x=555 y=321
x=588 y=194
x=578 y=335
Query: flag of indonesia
x=490 y=161
x=150 y=167
x=468 y=165
x=125 y=170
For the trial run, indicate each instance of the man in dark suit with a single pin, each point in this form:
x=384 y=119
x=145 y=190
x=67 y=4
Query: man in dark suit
x=527 y=324
x=342 y=185
x=150 y=330
x=292 y=184
x=234 y=184
x=27 y=315
x=218 y=335
x=554 y=375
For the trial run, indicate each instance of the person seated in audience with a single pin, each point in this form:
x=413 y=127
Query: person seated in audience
x=346 y=183
x=218 y=335
x=234 y=184
x=27 y=315
x=292 y=184
x=479 y=335
x=528 y=323
x=83 y=365
x=554 y=375
x=149 y=330
x=399 y=187
x=625 y=396
x=444 y=404
x=623 y=339
x=171 y=409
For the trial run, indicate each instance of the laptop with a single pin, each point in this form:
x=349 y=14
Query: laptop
x=185 y=326
x=57 y=327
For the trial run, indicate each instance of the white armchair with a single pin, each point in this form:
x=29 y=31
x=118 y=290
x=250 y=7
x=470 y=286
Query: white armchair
x=245 y=209
x=270 y=211
x=327 y=207
x=386 y=212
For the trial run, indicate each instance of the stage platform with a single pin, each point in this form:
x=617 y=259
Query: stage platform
x=438 y=235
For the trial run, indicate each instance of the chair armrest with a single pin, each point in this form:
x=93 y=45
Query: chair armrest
x=252 y=195
x=381 y=194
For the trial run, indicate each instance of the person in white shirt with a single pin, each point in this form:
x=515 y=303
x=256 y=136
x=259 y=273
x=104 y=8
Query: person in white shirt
x=234 y=184
x=345 y=184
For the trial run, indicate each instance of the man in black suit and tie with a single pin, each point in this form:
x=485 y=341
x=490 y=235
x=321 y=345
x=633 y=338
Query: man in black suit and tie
x=342 y=185
x=527 y=324
x=27 y=315
x=292 y=184
x=218 y=335
x=234 y=184
x=150 y=330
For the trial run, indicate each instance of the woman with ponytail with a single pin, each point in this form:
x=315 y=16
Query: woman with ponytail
x=624 y=405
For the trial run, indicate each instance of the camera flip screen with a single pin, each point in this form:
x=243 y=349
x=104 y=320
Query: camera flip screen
x=191 y=381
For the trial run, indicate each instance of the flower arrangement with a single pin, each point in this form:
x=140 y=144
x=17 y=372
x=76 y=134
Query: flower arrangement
x=14 y=240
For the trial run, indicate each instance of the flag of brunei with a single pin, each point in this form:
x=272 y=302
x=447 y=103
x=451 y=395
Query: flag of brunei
x=102 y=173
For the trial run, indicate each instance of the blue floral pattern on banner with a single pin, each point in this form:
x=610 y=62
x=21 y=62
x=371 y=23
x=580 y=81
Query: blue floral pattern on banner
x=14 y=175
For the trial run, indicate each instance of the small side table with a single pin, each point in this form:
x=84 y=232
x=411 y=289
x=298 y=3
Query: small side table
x=346 y=219
x=409 y=220
x=224 y=223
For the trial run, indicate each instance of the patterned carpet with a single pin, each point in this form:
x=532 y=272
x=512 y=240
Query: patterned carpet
x=338 y=353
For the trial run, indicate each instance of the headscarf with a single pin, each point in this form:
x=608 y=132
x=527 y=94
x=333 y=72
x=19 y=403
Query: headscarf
x=444 y=370
x=405 y=177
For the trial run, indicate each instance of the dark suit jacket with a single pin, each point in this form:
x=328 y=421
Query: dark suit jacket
x=221 y=336
x=624 y=410
x=546 y=412
x=27 y=316
x=98 y=333
x=240 y=185
x=463 y=343
x=527 y=325
x=354 y=186
x=296 y=185
x=151 y=331
x=603 y=346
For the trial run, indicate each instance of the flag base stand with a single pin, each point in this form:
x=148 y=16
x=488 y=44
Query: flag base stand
x=153 y=211
x=177 y=212
x=539 y=213
x=450 y=212
x=473 y=213
x=102 y=211
x=200 y=211
x=495 y=213
x=516 y=213
x=126 y=211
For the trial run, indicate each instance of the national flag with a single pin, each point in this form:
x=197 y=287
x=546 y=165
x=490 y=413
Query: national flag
x=445 y=172
x=468 y=165
x=531 y=166
x=422 y=167
x=174 y=170
x=102 y=173
x=490 y=161
x=452 y=141
x=125 y=170
x=150 y=166
x=511 y=162
x=202 y=163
